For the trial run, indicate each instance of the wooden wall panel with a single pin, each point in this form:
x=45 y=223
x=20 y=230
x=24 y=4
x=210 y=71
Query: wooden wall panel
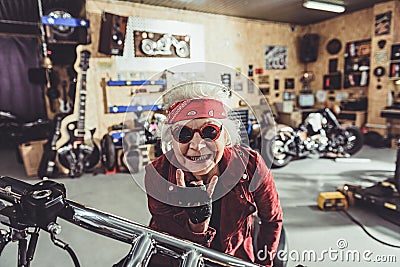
x=378 y=98
x=234 y=42
x=237 y=43
x=339 y=28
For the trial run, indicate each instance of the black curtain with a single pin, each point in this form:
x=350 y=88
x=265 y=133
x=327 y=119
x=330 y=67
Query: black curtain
x=17 y=95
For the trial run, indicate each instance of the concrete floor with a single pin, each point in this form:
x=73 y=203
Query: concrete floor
x=330 y=236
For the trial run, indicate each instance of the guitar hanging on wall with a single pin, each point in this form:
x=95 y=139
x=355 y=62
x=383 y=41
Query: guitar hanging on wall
x=80 y=153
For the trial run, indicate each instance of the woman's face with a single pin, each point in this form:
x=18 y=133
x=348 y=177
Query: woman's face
x=199 y=156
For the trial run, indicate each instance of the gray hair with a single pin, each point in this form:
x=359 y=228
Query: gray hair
x=196 y=90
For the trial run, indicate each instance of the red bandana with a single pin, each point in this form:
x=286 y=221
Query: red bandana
x=195 y=109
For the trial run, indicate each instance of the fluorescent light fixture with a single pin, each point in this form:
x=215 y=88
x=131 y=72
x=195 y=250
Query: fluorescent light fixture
x=336 y=6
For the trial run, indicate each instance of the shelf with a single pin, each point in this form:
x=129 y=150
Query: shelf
x=136 y=82
x=118 y=101
x=122 y=109
x=353 y=117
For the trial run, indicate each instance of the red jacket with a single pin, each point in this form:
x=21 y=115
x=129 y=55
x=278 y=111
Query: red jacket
x=250 y=188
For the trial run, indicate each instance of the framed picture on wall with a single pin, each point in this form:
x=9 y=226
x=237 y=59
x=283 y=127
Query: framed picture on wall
x=289 y=83
x=357 y=63
x=250 y=86
x=275 y=57
x=238 y=86
x=395 y=52
x=382 y=23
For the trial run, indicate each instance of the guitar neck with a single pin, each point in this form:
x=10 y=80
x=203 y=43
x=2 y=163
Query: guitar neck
x=75 y=123
x=82 y=103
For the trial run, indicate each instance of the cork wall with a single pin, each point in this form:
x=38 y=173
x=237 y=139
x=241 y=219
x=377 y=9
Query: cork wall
x=356 y=27
x=230 y=41
x=237 y=43
x=346 y=28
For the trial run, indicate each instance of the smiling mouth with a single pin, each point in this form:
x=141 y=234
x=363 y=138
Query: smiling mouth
x=200 y=158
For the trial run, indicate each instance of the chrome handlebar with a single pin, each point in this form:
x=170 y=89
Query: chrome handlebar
x=145 y=241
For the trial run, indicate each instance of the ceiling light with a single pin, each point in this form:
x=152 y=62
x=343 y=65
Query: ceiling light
x=325 y=5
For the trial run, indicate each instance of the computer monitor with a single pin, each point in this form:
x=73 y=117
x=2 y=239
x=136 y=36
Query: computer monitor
x=306 y=100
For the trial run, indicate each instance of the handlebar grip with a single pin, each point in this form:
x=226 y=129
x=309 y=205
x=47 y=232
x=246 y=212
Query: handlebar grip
x=17 y=186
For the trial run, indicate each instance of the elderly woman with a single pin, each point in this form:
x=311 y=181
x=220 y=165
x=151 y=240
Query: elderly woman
x=207 y=187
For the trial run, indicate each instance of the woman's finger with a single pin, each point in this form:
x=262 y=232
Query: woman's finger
x=211 y=185
x=180 y=178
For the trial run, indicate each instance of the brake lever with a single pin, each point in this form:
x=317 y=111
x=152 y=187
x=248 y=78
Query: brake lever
x=32 y=244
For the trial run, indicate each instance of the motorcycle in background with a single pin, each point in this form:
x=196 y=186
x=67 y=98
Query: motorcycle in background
x=319 y=134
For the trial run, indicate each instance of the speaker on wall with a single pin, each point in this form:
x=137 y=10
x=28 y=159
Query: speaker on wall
x=112 y=34
x=67 y=35
x=309 y=48
x=72 y=12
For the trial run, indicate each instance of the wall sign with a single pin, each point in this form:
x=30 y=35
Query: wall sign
x=382 y=23
x=226 y=80
x=156 y=45
x=250 y=86
x=275 y=57
x=151 y=44
x=289 y=83
x=381 y=56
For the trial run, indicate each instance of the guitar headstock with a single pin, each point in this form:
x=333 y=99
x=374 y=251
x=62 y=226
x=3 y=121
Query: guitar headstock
x=84 y=63
x=83 y=56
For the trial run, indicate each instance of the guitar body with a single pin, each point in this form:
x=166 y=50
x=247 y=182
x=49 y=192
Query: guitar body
x=77 y=152
x=78 y=155
x=68 y=127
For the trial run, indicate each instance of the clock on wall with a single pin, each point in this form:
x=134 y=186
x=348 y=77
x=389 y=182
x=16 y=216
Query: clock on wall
x=334 y=46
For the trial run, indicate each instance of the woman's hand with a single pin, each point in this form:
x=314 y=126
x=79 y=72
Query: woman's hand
x=199 y=215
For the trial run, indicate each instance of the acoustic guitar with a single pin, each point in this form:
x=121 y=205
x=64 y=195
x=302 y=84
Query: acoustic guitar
x=79 y=153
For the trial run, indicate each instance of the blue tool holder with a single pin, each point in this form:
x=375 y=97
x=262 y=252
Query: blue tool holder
x=136 y=83
x=120 y=109
x=70 y=22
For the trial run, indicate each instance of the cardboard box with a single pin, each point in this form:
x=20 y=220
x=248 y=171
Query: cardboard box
x=285 y=106
x=393 y=143
x=31 y=154
x=292 y=119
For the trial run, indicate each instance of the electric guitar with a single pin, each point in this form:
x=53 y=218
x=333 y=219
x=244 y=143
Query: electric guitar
x=80 y=153
x=47 y=166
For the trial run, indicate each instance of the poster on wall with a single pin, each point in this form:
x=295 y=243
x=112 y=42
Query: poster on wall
x=156 y=45
x=382 y=23
x=275 y=57
x=357 y=63
x=151 y=44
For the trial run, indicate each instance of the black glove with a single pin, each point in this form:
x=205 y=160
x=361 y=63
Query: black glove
x=199 y=214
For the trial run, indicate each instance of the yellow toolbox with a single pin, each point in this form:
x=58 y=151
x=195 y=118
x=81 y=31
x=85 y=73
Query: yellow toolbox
x=332 y=201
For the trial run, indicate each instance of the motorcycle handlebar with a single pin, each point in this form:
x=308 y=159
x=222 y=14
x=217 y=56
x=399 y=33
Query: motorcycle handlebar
x=12 y=189
x=144 y=240
x=18 y=186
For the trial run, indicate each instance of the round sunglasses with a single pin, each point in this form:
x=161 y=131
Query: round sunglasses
x=208 y=131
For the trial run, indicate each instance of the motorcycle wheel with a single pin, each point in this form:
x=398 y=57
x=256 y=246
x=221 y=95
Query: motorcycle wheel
x=354 y=146
x=108 y=157
x=281 y=159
